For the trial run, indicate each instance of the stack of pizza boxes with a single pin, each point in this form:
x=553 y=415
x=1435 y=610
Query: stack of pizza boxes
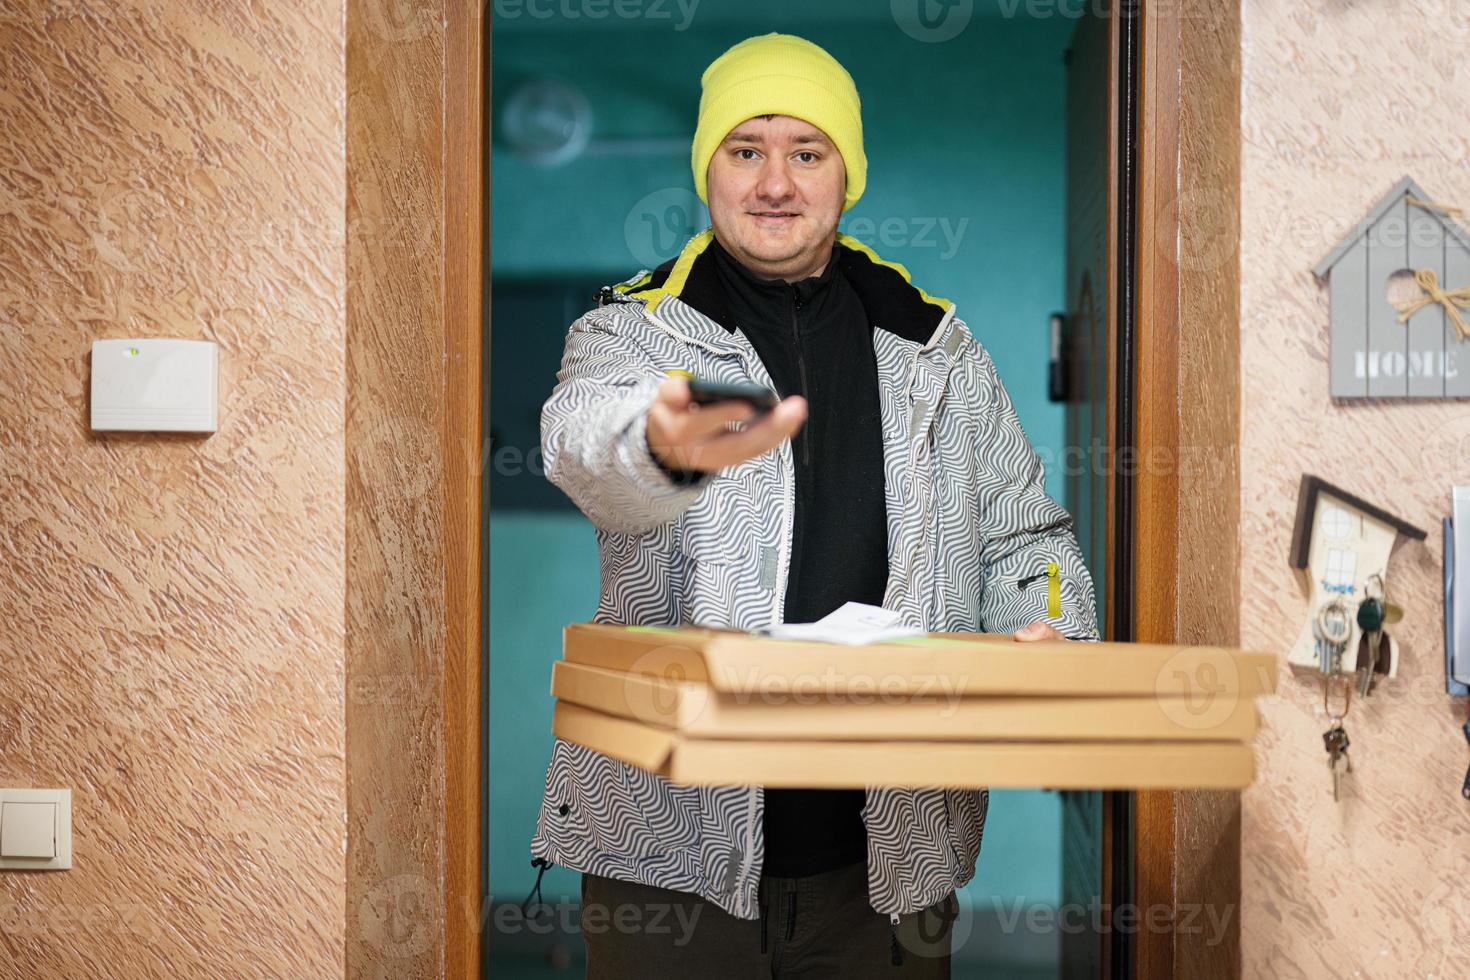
x=722 y=707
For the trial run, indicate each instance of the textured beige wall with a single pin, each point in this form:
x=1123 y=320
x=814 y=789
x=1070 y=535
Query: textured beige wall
x=1340 y=100
x=173 y=606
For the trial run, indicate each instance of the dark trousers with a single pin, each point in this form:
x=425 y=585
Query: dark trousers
x=816 y=926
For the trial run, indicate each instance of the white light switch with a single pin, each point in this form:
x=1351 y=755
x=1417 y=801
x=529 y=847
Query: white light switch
x=155 y=385
x=35 y=829
x=28 y=830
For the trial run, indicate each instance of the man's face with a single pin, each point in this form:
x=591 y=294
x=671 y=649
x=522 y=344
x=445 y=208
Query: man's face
x=776 y=188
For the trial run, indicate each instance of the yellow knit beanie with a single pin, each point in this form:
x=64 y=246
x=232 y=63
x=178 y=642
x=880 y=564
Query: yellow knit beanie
x=784 y=75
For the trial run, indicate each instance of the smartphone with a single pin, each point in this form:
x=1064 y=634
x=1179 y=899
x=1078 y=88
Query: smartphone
x=710 y=392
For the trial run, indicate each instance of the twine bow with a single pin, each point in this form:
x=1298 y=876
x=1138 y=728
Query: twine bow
x=1451 y=300
x=1435 y=205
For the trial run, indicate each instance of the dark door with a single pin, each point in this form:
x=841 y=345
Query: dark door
x=1097 y=827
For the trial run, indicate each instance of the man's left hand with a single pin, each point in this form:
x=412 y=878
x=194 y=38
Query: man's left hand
x=1039 y=630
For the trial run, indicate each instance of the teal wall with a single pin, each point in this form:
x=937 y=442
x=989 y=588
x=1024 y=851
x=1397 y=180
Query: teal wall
x=964 y=136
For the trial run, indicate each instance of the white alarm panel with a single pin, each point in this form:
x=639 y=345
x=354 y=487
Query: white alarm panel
x=155 y=385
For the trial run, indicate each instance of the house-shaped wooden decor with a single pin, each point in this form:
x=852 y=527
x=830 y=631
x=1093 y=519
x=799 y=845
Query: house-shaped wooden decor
x=1373 y=352
x=1343 y=541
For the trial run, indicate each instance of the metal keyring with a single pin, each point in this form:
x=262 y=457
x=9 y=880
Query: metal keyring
x=1381 y=591
x=1347 y=703
x=1334 y=611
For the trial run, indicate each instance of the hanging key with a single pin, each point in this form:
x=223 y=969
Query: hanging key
x=1336 y=741
x=1332 y=627
x=1371 y=614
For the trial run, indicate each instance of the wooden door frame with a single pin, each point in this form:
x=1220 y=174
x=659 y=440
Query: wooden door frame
x=416 y=245
x=414 y=459
x=1187 y=485
x=467 y=245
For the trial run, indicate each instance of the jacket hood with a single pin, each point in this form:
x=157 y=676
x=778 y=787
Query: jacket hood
x=888 y=295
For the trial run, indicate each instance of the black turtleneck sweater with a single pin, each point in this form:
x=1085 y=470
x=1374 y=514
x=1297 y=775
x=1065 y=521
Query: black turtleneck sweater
x=815 y=340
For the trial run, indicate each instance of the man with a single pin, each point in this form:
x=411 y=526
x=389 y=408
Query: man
x=893 y=471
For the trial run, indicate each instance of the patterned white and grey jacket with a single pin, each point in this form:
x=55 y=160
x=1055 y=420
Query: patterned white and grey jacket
x=968 y=517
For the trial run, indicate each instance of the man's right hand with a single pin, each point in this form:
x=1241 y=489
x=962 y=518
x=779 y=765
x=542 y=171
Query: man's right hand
x=684 y=435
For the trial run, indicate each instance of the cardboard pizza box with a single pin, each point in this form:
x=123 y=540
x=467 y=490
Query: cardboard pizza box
x=859 y=763
x=695 y=709
x=735 y=662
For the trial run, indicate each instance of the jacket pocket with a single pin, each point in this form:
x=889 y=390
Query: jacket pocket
x=724 y=571
x=597 y=800
x=966 y=809
x=720 y=526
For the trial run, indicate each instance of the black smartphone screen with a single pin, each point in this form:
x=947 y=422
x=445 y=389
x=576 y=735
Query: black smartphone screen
x=710 y=392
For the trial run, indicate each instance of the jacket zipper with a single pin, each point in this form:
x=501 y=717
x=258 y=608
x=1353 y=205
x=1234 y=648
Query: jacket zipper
x=790 y=482
x=806 y=435
x=785 y=557
x=1053 y=587
x=785 y=568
